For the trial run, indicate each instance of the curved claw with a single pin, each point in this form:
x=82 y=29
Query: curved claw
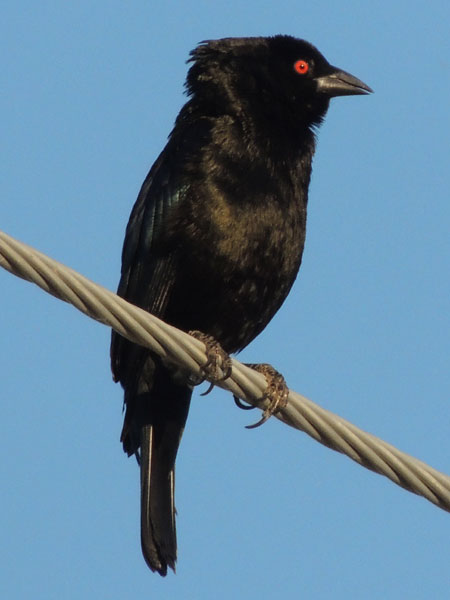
x=218 y=364
x=210 y=389
x=263 y=419
x=276 y=392
x=241 y=405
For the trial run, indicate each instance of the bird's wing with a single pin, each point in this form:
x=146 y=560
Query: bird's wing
x=148 y=272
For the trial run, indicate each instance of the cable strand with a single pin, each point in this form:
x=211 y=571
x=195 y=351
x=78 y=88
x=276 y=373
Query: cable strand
x=187 y=352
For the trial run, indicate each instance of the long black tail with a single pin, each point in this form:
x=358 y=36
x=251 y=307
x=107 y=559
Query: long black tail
x=158 y=449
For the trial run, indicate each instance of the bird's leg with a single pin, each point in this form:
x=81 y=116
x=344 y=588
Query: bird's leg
x=218 y=364
x=276 y=392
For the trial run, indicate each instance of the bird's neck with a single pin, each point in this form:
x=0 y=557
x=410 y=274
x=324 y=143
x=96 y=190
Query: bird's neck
x=275 y=135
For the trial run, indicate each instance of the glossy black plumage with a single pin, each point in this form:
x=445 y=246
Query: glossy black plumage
x=215 y=239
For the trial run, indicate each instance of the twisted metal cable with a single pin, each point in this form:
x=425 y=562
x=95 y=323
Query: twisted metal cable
x=182 y=349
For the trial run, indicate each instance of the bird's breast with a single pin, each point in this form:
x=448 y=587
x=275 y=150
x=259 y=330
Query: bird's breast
x=241 y=258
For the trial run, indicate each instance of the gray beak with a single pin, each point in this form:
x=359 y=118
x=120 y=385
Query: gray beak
x=341 y=83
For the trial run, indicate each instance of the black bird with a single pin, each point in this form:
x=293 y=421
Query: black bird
x=215 y=239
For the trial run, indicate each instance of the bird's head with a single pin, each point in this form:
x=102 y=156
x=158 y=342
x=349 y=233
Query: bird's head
x=279 y=78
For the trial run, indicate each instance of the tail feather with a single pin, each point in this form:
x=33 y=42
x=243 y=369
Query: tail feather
x=158 y=418
x=157 y=407
x=158 y=531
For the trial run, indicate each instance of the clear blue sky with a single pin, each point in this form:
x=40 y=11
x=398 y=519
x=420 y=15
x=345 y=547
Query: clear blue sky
x=90 y=92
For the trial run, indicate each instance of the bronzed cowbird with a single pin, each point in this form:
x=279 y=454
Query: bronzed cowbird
x=215 y=239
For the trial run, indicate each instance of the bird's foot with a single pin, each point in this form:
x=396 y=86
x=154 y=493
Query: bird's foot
x=218 y=364
x=276 y=392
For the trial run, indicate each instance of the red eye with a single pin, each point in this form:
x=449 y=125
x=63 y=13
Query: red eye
x=301 y=67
